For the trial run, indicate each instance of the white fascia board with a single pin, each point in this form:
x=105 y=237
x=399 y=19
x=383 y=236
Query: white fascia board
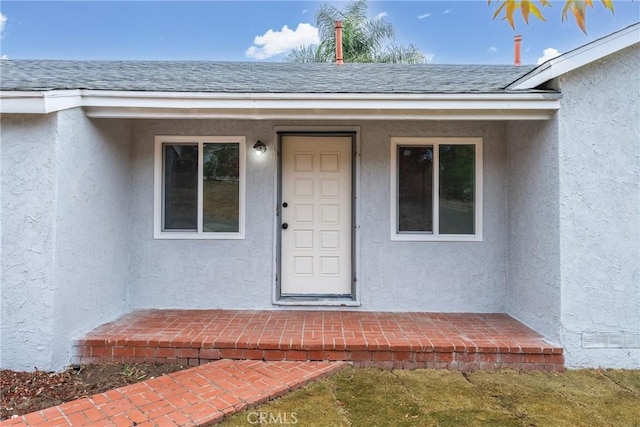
x=33 y=102
x=579 y=57
x=105 y=104
x=132 y=104
x=181 y=99
x=245 y=114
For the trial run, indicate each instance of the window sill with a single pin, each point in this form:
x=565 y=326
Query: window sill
x=197 y=236
x=432 y=238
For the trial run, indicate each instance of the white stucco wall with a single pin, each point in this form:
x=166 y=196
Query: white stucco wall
x=65 y=230
x=92 y=228
x=28 y=216
x=431 y=276
x=600 y=212
x=78 y=247
x=202 y=273
x=533 y=285
x=461 y=276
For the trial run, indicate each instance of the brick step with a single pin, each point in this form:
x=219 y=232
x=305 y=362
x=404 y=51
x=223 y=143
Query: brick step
x=457 y=341
x=543 y=359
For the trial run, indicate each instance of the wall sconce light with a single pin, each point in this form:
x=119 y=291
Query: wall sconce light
x=259 y=147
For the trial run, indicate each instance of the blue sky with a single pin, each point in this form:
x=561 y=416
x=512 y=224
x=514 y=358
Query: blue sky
x=446 y=31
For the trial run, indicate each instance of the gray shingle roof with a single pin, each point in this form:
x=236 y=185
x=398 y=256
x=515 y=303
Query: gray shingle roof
x=252 y=77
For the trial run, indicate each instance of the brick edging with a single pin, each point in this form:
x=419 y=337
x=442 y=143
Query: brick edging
x=528 y=359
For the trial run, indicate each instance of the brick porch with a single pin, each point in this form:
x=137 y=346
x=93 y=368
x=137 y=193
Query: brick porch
x=458 y=341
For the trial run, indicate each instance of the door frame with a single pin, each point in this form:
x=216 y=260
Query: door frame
x=327 y=300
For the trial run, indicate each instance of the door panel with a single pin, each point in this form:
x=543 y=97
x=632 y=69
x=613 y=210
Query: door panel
x=316 y=190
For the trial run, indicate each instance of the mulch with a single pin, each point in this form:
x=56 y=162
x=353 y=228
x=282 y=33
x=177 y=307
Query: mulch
x=25 y=392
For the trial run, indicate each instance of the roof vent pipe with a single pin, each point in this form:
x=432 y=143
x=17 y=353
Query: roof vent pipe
x=516 y=54
x=339 y=60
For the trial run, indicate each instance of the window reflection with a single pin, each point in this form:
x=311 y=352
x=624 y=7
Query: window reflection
x=221 y=188
x=180 y=186
x=453 y=199
x=457 y=189
x=415 y=188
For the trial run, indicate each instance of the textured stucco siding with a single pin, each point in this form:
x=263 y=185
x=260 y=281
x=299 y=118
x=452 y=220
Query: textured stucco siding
x=92 y=226
x=78 y=247
x=202 y=273
x=431 y=276
x=65 y=195
x=461 y=276
x=600 y=212
x=533 y=284
x=28 y=219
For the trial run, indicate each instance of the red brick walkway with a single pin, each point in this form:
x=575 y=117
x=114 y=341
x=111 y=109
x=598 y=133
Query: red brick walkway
x=187 y=398
x=459 y=341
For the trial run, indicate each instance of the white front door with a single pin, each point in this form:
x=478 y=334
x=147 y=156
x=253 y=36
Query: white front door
x=316 y=217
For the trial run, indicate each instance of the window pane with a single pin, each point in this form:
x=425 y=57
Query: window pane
x=180 y=186
x=221 y=188
x=415 y=188
x=457 y=189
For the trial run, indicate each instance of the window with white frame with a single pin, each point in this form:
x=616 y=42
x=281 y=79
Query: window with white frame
x=436 y=189
x=199 y=187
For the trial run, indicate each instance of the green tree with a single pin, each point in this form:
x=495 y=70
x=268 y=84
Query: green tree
x=363 y=39
x=578 y=9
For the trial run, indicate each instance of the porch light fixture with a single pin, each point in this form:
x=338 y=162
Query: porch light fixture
x=260 y=147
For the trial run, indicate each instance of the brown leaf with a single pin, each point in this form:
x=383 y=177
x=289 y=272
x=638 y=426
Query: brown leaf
x=499 y=9
x=536 y=12
x=566 y=8
x=609 y=5
x=578 y=11
x=511 y=7
x=524 y=8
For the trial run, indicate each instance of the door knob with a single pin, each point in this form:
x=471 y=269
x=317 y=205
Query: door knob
x=285 y=226
x=285 y=204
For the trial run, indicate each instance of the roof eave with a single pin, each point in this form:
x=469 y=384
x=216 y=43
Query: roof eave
x=577 y=58
x=39 y=102
x=166 y=105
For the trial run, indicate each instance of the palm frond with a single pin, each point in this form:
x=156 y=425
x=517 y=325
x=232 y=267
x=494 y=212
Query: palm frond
x=306 y=54
x=363 y=39
x=409 y=54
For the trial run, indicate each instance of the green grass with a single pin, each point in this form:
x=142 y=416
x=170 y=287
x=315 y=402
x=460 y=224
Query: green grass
x=373 y=397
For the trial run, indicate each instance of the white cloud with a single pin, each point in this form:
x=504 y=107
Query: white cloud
x=381 y=15
x=305 y=11
x=446 y=12
x=425 y=15
x=274 y=43
x=3 y=20
x=3 y=57
x=492 y=49
x=547 y=54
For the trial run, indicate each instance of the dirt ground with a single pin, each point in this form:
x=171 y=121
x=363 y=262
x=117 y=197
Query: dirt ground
x=25 y=392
